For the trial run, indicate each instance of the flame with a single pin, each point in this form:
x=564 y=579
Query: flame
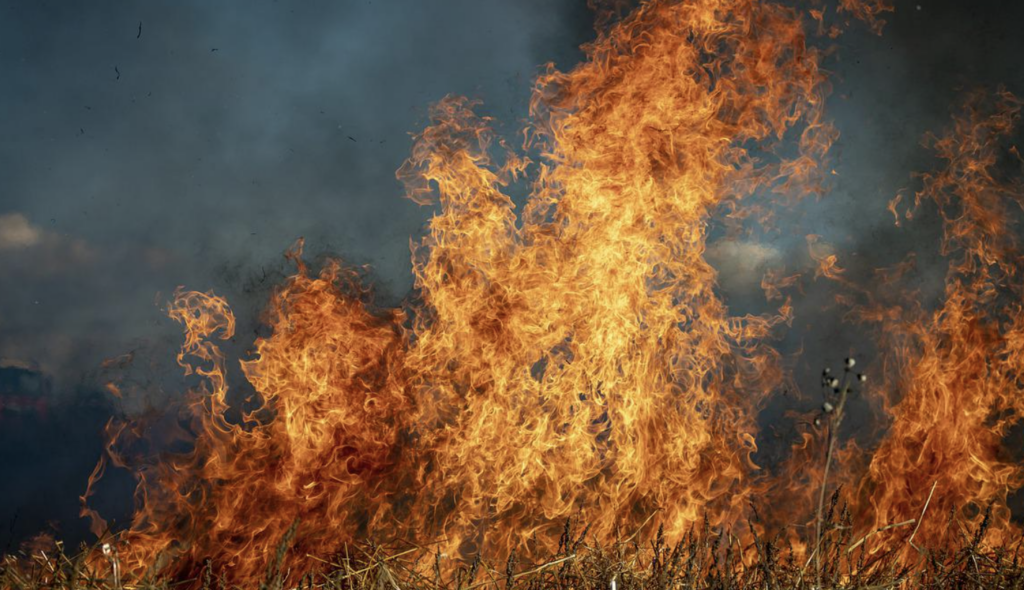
x=955 y=386
x=574 y=358
x=823 y=254
x=570 y=359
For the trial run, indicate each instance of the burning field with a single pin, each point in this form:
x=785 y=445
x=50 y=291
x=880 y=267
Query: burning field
x=566 y=396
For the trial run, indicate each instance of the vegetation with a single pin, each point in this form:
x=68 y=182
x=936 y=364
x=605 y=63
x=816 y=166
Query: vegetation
x=704 y=558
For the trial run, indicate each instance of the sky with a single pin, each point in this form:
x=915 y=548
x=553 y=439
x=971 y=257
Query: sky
x=145 y=146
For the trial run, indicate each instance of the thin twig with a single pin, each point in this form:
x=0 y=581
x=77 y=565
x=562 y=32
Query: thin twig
x=639 y=528
x=835 y=419
x=365 y=569
x=876 y=531
x=921 y=518
x=535 y=570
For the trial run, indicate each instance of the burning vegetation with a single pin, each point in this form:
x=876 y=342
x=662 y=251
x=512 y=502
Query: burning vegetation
x=566 y=380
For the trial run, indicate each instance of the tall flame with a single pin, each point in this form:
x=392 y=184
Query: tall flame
x=574 y=358
x=957 y=382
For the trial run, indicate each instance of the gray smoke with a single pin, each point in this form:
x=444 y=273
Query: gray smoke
x=149 y=145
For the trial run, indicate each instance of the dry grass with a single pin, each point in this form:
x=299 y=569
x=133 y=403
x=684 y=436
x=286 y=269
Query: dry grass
x=704 y=558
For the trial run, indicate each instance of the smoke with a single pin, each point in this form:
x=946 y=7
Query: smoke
x=224 y=134
x=146 y=147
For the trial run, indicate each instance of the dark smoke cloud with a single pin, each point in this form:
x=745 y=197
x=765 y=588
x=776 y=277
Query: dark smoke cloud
x=889 y=92
x=196 y=150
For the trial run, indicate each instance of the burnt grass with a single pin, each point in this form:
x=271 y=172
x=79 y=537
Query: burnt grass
x=706 y=557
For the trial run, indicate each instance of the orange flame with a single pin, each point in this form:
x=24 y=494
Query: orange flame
x=574 y=358
x=955 y=389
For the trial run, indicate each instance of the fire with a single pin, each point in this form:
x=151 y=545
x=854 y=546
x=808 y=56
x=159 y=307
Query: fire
x=573 y=358
x=956 y=390
x=828 y=262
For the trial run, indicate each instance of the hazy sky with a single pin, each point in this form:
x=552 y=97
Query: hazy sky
x=195 y=150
